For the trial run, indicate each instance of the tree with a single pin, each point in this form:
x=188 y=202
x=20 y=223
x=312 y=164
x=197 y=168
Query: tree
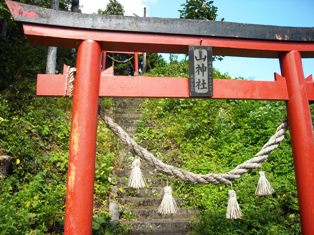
x=199 y=9
x=112 y=8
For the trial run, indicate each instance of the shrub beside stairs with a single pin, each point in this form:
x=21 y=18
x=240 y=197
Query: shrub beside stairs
x=140 y=206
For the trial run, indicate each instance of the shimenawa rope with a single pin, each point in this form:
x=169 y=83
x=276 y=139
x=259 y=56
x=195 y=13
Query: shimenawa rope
x=213 y=178
x=120 y=61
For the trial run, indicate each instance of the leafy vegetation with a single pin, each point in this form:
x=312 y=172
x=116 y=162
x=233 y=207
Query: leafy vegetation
x=199 y=9
x=112 y=8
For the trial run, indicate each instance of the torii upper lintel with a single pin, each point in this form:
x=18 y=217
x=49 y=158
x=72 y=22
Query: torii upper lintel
x=125 y=33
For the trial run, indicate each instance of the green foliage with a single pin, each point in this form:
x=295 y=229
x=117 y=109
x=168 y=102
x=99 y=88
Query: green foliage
x=153 y=60
x=199 y=9
x=112 y=8
x=103 y=226
x=205 y=135
x=34 y=207
x=35 y=132
x=174 y=68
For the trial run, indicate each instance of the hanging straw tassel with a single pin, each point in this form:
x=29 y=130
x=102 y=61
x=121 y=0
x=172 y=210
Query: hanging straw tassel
x=233 y=209
x=136 y=179
x=263 y=186
x=168 y=204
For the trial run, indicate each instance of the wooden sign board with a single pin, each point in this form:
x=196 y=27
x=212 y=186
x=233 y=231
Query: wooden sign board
x=201 y=76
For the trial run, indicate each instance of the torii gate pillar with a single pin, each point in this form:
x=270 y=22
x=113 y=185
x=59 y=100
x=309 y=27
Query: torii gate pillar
x=81 y=167
x=300 y=125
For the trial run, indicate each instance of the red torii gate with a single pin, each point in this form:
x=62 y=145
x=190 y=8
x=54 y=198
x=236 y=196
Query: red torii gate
x=135 y=64
x=93 y=33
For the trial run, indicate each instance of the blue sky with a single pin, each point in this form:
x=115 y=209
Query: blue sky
x=270 y=12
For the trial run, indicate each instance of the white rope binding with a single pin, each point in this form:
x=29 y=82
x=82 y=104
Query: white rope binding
x=69 y=81
x=213 y=178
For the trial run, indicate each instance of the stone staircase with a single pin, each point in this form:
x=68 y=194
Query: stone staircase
x=143 y=203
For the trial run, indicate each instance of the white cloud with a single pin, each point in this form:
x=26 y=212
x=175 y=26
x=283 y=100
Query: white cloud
x=130 y=7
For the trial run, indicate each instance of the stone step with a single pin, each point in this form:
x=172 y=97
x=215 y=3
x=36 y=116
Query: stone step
x=151 y=212
x=129 y=113
x=125 y=122
x=144 y=201
x=160 y=226
x=140 y=201
x=128 y=101
x=142 y=192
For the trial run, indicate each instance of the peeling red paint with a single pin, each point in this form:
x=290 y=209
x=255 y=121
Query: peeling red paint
x=17 y=10
x=75 y=135
x=71 y=179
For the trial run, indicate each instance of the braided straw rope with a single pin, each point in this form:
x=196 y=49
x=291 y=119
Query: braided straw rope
x=120 y=61
x=225 y=178
x=69 y=81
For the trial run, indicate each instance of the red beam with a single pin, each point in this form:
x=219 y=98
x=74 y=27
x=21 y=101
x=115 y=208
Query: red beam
x=126 y=86
x=124 y=41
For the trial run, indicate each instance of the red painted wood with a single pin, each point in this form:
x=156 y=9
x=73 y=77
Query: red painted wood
x=126 y=86
x=81 y=167
x=103 y=60
x=124 y=41
x=136 y=71
x=302 y=139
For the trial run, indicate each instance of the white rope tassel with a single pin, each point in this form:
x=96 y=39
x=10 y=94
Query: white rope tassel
x=233 y=209
x=168 y=204
x=263 y=186
x=136 y=179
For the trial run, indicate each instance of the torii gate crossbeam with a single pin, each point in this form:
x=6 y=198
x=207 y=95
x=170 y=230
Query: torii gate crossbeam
x=93 y=33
